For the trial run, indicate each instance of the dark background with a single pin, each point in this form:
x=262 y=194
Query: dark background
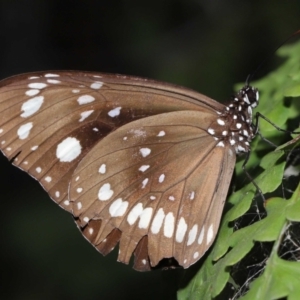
x=205 y=45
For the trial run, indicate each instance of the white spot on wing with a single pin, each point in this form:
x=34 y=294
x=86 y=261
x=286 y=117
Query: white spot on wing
x=96 y=85
x=102 y=169
x=145 y=217
x=114 y=112
x=181 y=230
x=105 y=192
x=161 y=133
x=84 y=99
x=144 y=182
x=37 y=85
x=192 y=235
x=33 y=148
x=68 y=149
x=48 y=179
x=85 y=115
x=220 y=144
x=118 y=208
x=169 y=225
x=38 y=169
x=143 y=168
x=161 y=178
x=210 y=131
x=79 y=190
x=57 y=194
x=53 y=81
x=31 y=106
x=192 y=195
x=220 y=122
x=210 y=234
x=196 y=255
x=145 y=151
x=157 y=221
x=135 y=213
x=51 y=75
x=24 y=130
x=31 y=93
x=201 y=236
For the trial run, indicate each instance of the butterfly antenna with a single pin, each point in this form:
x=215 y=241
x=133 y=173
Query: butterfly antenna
x=250 y=76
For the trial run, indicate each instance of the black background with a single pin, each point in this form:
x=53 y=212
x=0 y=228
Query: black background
x=205 y=45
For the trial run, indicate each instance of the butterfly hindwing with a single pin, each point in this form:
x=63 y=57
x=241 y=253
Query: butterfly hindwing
x=148 y=185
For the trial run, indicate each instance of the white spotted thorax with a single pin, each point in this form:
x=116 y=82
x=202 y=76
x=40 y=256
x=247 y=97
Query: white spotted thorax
x=137 y=162
x=234 y=124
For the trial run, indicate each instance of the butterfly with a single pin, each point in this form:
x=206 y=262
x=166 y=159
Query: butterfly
x=137 y=162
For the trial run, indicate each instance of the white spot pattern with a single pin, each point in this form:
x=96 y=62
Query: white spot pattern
x=24 y=130
x=161 y=178
x=135 y=213
x=181 y=230
x=210 y=234
x=37 y=85
x=145 y=151
x=96 y=85
x=48 y=179
x=115 y=112
x=144 y=182
x=52 y=75
x=145 y=217
x=68 y=150
x=192 y=195
x=105 y=192
x=31 y=106
x=31 y=93
x=53 y=81
x=102 y=169
x=169 y=225
x=85 y=115
x=84 y=99
x=192 y=235
x=143 y=168
x=118 y=208
x=157 y=221
x=161 y=133
x=201 y=236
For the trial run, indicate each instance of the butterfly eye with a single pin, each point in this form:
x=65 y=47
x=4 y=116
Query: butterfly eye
x=136 y=162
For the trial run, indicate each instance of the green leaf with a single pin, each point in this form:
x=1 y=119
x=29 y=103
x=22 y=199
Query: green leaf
x=280 y=278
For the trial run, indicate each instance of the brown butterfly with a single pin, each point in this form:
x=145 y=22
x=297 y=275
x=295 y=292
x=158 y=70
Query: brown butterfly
x=139 y=162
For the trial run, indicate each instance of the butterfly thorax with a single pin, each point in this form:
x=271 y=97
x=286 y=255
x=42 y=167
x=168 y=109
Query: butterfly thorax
x=234 y=125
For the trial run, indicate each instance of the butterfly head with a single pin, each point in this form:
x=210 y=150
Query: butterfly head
x=249 y=95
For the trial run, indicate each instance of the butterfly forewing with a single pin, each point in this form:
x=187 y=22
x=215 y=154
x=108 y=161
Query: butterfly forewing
x=51 y=120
